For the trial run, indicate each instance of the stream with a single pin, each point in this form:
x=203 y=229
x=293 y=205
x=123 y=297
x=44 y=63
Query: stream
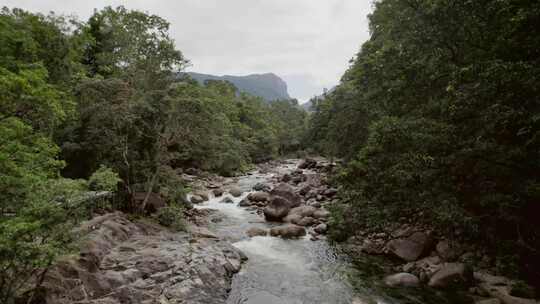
x=281 y=271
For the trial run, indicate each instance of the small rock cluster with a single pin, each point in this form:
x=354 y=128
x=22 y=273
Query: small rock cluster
x=295 y=199
x=437 y=263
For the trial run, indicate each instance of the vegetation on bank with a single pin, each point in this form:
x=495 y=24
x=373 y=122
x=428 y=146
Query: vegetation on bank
x=438 y=120
x=99 y=106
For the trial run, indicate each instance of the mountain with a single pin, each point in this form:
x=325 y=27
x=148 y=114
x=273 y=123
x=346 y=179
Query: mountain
x=268 y=86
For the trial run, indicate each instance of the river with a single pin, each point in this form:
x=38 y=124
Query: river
x=280 y=271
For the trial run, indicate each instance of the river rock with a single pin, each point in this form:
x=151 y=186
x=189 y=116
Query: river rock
x=217 y=192
x=307 y=163
x=321 y=228
x=196 y=199
x=411 y=248
x=452 y=275
x=258 y=196
x=288 y=231
x=321 y=214
x=305 y=221
x=261 y=187
x=304 y=211
x=254 y=231
x=227 y=200
x=245 y=203
x=276 y=209
x=330 y=192
x=287 y=192
x=402 y=279
x=235 y=191
x=202 y=195
x=122 y=261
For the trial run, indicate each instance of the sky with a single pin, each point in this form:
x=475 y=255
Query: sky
x=308 y=43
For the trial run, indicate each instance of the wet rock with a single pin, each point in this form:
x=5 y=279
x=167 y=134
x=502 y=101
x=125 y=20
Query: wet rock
x=251 y=232
x=412 y=248
x=202 y=195
x=402 y=279
x=258 y=196
x=288 y=231
x=305 y=221
x=227 y=200
x=217 y=192
x=286 y=178
x=307 y=163
x=277 y=208
x=287 y=192
x=195 y=199
x=261 y=187
x=245 y=203
x=452 y=275
x=321 y=228
x=235 y=191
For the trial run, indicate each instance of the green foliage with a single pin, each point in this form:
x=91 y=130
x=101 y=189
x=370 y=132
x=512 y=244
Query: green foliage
x=104 y=179
x=173 y=217
x=438 y=119
x=102 y=100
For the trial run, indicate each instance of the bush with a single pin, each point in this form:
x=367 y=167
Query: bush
x=104 y=179
x=172 y=217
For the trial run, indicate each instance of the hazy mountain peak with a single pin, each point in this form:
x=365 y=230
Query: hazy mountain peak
x=268 y=85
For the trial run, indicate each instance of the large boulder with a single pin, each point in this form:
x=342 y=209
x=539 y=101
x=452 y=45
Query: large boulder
x=258 y=196
x=287 y=192
x=402 y=279
x=305 y=221
x=235 y=191
x=412 y=248
x=277 y=208
x=303 y=211
x=452 y=275
x=251 y=232
x=288 y=231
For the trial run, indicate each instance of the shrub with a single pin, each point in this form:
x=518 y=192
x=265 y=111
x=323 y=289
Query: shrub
x=172 y=217
x=104 y=179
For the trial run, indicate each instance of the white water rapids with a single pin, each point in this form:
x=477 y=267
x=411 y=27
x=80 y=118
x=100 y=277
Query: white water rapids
x=279 y=271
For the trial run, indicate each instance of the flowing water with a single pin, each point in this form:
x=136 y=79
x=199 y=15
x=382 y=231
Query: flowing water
x=279 y=271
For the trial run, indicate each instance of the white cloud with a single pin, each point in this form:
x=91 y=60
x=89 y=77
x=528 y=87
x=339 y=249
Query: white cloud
x=306 y=42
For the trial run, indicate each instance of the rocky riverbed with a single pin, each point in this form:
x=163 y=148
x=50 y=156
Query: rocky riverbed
x=260 y=238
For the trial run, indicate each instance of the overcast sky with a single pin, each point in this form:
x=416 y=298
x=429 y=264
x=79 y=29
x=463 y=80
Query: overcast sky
x=308 y=43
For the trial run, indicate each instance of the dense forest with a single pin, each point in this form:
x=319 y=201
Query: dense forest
x=99 y=106
x=438 y=122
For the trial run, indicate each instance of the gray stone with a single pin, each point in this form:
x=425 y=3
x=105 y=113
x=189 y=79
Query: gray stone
x=402 y=279
x=235 y=191
x=276 y=209
x=254 y=231
x=452 y=275
x=288 y=231
x=411 y=248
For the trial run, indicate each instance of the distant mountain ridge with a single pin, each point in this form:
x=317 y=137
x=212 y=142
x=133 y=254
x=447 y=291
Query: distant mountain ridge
x=268 y=86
